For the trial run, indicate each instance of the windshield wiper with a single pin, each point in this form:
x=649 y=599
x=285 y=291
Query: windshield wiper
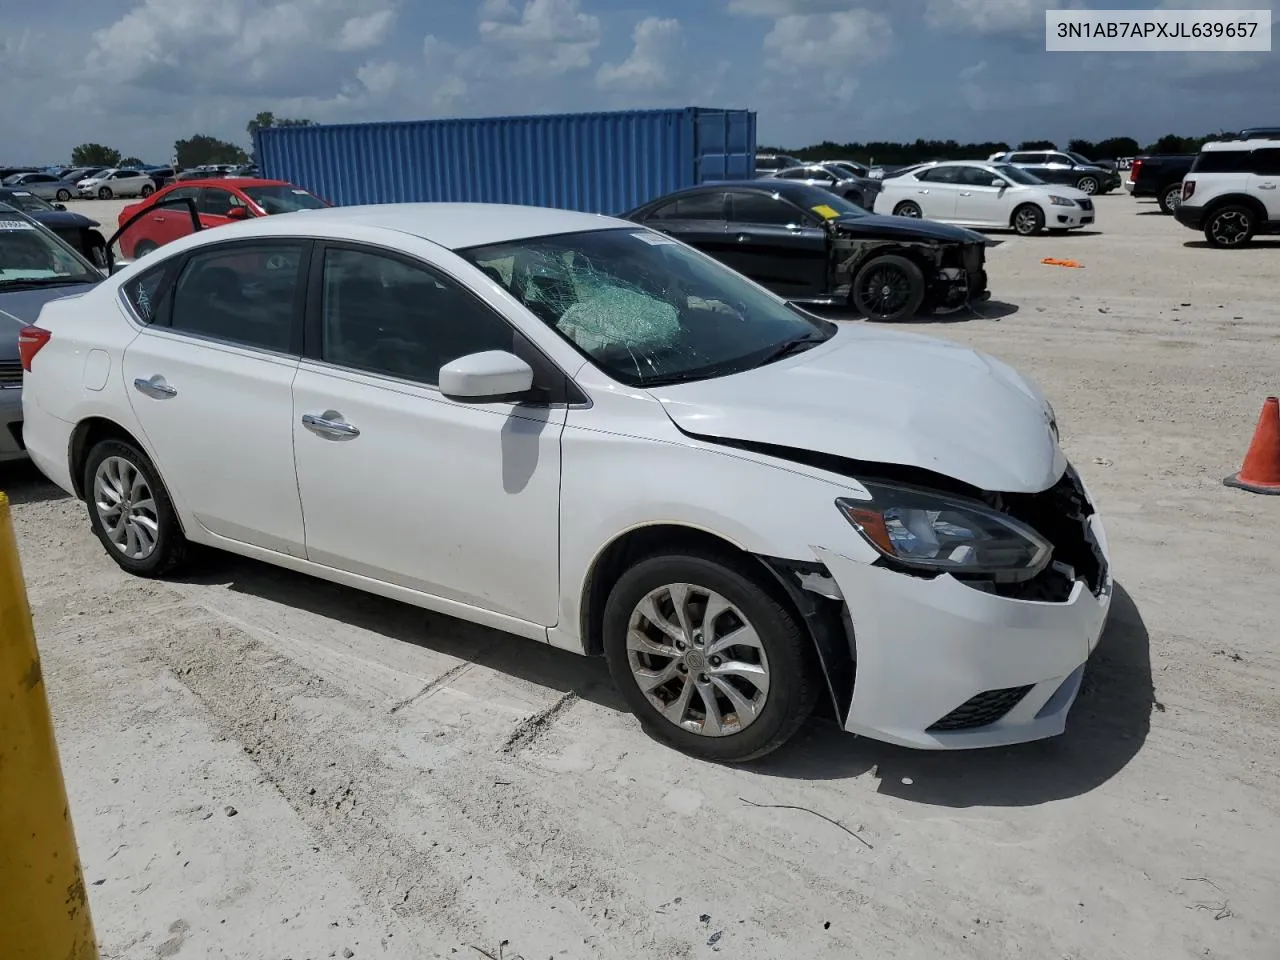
x=44 y=282
x=791 y=347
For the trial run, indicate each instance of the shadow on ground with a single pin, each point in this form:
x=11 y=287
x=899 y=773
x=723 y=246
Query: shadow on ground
x=25 y=484
x=1106 y=728
x=1265 y=244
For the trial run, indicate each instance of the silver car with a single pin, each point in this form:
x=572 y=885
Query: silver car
x=837 y=179
x=114 y=182
x=43 y=185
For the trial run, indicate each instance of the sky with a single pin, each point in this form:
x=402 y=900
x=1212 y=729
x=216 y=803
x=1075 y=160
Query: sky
x=139 y=74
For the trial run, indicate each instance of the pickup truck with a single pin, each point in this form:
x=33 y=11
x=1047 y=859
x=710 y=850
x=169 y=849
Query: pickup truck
x=1160 y=177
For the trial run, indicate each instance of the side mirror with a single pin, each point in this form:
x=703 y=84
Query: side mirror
x=489 y=377
x=238 y=213
x=59 y=206
x=997 y=182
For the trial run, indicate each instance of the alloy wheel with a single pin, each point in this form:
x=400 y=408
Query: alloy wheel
x=886 y=289
x=1230 y=228
x=1025 y=222
x=908 y=210
x=126 y=507
x=1088 y=185
x=698 y=660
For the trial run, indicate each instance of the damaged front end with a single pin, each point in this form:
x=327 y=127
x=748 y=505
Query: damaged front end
x=954 y=272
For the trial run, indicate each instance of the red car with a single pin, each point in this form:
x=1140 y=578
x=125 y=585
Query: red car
x=217 y=202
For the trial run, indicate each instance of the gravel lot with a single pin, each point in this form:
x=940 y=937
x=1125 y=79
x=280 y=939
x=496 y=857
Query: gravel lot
x=270 y=767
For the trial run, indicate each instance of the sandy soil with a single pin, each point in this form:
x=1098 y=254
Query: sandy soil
x=262 y=766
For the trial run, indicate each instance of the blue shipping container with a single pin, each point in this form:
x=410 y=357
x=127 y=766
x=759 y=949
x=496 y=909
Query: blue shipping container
x=594 y=162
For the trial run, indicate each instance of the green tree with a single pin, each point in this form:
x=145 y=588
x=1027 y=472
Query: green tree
x=268 y=119
x=200 y=149
x=132 y=162
x=1037 y=145
x=1113 y=148
x=1086 y=148
x=94 y=155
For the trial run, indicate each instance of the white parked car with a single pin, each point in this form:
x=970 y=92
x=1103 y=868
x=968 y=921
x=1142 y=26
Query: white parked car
x=117 y=183
x=586 y=433
x=986 y=195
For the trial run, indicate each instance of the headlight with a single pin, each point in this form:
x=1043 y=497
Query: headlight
x=935 y=532
x=1061 y=201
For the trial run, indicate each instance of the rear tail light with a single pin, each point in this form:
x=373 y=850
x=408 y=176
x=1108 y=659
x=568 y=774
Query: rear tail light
x=1133 y=170
x=30 y=341
x=1188 y=188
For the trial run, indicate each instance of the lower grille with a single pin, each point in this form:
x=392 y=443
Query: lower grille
x=10 y=373
x=980 y=711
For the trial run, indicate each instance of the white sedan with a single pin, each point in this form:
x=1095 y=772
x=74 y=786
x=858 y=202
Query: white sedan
x=586 y=433
x=117 y=183
x=986 y=195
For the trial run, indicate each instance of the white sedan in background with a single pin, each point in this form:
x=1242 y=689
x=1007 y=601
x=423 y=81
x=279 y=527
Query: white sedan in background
x=586 y=433
x=117 y=183
x=993 y=196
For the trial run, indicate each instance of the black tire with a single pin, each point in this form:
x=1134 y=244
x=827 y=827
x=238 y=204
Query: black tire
x=97 y=248
x=1170 y=198
x=794 y=678
x=170 y=544
x=908 y=208
x=1218 y=226
x=147 y=190
x=1087 y=185
x=143 y=247
x=62 y=196
x=888 y=288
x=1028 y=220
x=104 y=193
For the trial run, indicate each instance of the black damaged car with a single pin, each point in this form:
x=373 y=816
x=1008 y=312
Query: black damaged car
x=75 y=228
x=813 y=247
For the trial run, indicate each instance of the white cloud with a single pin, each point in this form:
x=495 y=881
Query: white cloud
x=547 y=37
x=653 y=64
x=363 y=33
x=994 y=16
x=793 y=8
x=826 y=48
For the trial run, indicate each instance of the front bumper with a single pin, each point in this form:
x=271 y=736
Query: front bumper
x=1128 y=186
x=943 y=666
x=1189 y=216
x=11 y=446
x=1068 y=218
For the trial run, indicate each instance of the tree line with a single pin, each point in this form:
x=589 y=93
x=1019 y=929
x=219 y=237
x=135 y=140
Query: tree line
x=894 y=154
x=194 y=151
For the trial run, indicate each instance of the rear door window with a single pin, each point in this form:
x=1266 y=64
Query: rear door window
x=763 y=209
x=1223 y=161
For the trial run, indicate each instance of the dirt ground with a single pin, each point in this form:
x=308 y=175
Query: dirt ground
x=263 y=766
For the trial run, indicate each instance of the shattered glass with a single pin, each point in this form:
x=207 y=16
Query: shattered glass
x=642 y=306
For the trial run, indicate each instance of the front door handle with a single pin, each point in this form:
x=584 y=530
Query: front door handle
x=330 y=426
x=155 y=387
x=966 y=193
x=743 y=238
x=922 y=191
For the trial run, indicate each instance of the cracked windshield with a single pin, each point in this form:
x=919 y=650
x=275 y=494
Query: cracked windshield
x=30 y=257
x=646 y=309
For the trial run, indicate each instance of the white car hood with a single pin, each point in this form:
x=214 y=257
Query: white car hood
x=886 y=397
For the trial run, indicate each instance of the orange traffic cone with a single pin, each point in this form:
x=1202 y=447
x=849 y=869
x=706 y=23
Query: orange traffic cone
x=1261 y=470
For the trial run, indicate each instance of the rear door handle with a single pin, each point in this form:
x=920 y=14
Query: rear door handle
x=330 y=426
x=1266 y=186
x=155 y=387
x=743 y=238
x=922 y=191
x=966 y=193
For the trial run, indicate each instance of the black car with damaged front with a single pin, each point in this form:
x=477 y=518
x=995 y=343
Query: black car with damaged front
x=75 y=228
x=815 y=248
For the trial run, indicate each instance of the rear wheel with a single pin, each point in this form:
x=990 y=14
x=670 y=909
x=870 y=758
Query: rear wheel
x=104 y=193
x=142 y=248
x=706 y=657
x=1088 y=185
x=147 y=190
x=907 y=208
x=130 y=510
x=1170 y=199
x=62 y=196
x=888 y=288
x=1230 y=226
x=1028 y=220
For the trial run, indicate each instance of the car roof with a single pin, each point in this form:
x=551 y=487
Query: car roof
x=1257 y=143
x=237 y=182
x=454 y=226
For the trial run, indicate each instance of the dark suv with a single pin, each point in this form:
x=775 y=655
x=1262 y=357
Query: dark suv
x=1068 y=169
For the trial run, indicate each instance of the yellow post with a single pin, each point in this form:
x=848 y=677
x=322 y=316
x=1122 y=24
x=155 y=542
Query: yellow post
x=44 y=910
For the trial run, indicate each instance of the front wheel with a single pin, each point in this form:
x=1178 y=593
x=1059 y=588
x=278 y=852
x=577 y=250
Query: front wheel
x=104 y=193
x=62 y=196
x=1028 y=220
x=1170 y=199
x=708 y=660
x=1231 y=226
x=908 y=208
x=147 y=190
x=888 y=288
x=130 y=510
